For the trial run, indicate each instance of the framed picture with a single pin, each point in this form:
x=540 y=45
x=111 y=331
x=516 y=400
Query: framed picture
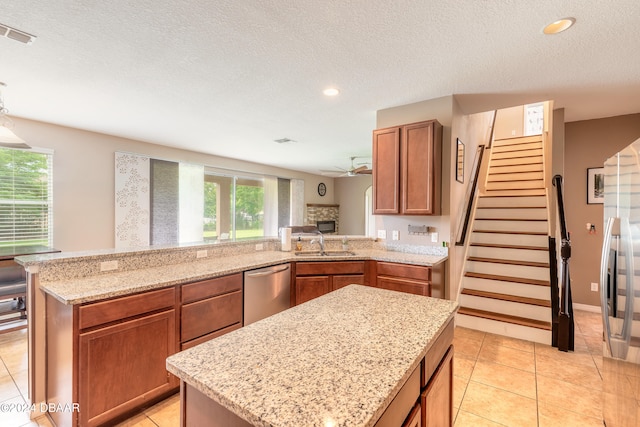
x=459 y=161
x=595 y=186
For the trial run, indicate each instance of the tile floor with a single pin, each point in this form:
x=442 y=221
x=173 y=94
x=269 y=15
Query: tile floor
x=498 y=381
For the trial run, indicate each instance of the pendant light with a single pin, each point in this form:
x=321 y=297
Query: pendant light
x=7 y=137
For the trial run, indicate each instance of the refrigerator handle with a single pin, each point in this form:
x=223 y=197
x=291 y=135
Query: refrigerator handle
x=604 y=265
x=618 y=344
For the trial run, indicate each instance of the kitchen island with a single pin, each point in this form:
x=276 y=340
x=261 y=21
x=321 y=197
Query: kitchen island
x=359 y=356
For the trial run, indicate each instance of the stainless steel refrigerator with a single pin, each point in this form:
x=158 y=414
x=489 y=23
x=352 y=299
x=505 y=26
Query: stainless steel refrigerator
x=620 y=287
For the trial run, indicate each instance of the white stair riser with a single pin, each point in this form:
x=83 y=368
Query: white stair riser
x=525 y=192
x=526 y=146
x=508 y=288
x=516 y=155
x=519 y=140
x=537 y=273
x=505 y=329
x=519 y=226
x=510 y=239
x=510 y=254
x=515 y=176
x=515 y=185
x=512 y=201
x=510 y=162
x=521 y=213
x=535 y=167
x=510 y=308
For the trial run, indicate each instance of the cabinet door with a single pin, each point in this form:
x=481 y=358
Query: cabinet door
x=420 y=168
x=437 y=399
x=123 y=366
x=386 y=171
x=308 y=288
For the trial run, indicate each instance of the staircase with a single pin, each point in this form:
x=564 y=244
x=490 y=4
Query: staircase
x=505 y=286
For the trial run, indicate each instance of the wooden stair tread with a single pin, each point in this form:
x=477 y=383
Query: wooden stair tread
x=509 y=261
x=528 y=233
x=511 y=219
x=539 y=324
x=499 y=246
x=516 y=138
x=511 y=207
x=509 y=195
x=512 y=180
x=504 y=297
x=521 y=280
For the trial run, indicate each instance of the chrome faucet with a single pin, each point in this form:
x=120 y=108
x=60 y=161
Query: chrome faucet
x=320 y=240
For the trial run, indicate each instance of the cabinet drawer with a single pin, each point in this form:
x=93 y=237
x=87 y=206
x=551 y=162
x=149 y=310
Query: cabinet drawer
x=121 y=308
x=342 y=281
x=402 y=285
x=209 y=315
x=436 y=352
x=210 y=288
x=417 y=272
x=194 y=342
x=328 y=267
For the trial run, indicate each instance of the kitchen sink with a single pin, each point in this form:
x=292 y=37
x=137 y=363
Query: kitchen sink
x=326 y=253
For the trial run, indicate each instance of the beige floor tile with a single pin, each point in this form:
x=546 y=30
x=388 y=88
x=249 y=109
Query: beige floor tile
x=560 y=368
x=166 y=413
x=22 y=380
x=465 y=419
x=581 y=356
x=523 y=345
x=16 y=362
x=506 y=378
x=15 y=418
x=585 y=401
x=459 y=388
x=553 y=416
x=8 y=388
x=508 y=356
x=469 y=333
x=466 y=346
x=499 y=405
x=140 y=420
x=463 y=365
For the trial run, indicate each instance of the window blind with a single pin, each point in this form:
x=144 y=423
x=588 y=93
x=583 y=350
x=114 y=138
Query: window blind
x=26 y=196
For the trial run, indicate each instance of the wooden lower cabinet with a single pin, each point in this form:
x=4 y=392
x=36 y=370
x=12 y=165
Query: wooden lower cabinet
x=413 y=279
x=415 y=417
x=437 y=399
x=314 y=279
x=122 y=366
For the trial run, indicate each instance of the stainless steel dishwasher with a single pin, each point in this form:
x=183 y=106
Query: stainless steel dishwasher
x=266 y=292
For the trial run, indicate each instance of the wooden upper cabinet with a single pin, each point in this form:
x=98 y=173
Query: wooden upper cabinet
x=407 y=168
x=386 y=171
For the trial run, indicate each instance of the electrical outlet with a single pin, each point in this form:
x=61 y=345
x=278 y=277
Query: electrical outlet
x=382 y=234
x=259 y=247
x=434 y=237
x=109 y=265
x=395 y=235
x=594 y=286
x=201 y=253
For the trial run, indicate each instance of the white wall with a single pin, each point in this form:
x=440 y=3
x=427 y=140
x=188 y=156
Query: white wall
x=83 y=179
x=350 y=195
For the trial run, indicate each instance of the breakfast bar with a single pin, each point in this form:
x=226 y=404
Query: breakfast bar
x=359 y=356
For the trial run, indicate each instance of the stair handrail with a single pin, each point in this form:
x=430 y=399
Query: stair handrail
x=565 y=331
x=472 y=187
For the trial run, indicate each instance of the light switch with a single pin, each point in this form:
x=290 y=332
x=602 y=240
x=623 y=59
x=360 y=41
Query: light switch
x=395 y=235
x=434 y=237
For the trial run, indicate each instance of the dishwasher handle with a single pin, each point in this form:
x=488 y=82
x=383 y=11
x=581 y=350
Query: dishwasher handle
x=262 y=273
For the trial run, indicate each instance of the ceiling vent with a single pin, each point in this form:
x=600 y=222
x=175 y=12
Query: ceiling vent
x=12 y=33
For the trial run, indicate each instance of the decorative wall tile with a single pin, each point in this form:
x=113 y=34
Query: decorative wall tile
x=132 y=200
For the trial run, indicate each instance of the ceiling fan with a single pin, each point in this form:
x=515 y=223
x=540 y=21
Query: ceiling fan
x=352 y=171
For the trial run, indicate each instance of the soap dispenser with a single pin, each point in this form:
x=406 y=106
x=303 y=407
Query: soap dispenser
x=299 y=244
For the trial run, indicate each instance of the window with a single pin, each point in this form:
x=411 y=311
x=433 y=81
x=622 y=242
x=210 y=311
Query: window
x=26 y=207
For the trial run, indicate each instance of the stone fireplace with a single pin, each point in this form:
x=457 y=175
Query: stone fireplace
x=321 y=212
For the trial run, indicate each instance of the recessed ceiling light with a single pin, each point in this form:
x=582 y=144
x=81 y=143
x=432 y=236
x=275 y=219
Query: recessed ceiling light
x=559 y=26
x=331 y=91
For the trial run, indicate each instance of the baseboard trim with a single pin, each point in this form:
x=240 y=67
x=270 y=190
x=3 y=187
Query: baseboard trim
x=585 y=307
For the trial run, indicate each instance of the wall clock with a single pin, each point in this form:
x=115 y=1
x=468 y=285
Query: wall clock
x=322 y=189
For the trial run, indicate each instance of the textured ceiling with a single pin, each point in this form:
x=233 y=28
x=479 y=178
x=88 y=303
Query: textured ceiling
x=228 y=77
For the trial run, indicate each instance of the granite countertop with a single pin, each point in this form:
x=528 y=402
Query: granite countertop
x=339 y=359
x=109 y=285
